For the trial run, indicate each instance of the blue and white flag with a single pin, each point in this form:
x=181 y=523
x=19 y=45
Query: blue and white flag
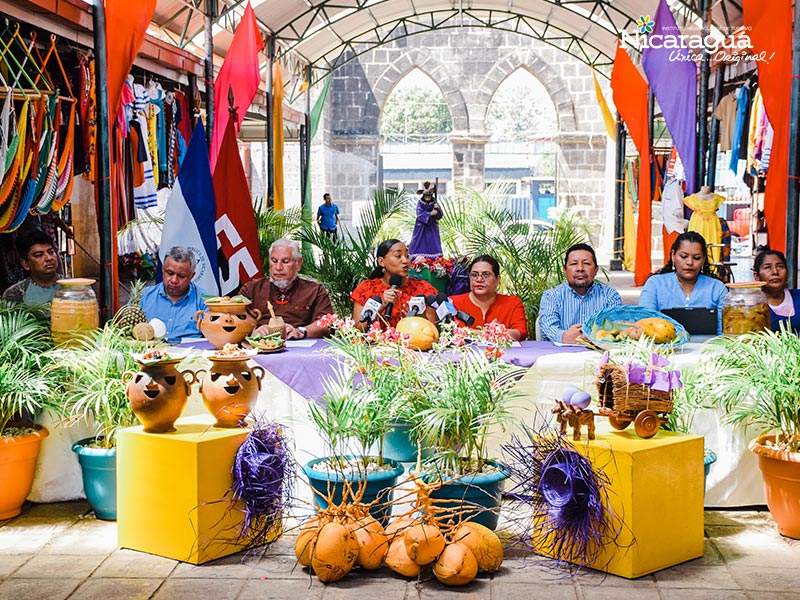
x=191 y=212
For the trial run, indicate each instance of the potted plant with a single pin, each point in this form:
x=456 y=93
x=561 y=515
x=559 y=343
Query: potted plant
x=25 y=390
x=468 y=398
x=755 y=378
x=91 y=370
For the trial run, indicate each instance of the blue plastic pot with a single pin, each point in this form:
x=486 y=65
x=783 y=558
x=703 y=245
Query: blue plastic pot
x=709 y=459
x=481 y=494
x=328 y=484
x=398 y=445
x=99 y=468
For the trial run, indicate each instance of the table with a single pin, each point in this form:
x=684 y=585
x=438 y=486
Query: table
x=298 y=374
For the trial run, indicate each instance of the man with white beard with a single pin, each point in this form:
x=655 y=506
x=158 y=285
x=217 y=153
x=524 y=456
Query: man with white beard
x=299 y=301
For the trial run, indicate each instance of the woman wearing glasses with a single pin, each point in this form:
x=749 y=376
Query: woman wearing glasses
x=485 y=304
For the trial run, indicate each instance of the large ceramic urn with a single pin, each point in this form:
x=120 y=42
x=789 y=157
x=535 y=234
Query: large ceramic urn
x=230 y=388
x=158 y=393
x=227 y=322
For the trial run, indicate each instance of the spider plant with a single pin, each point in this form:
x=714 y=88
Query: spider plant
x=91 y=370
x=340 y=265
x=756 y=380
x=24 y=385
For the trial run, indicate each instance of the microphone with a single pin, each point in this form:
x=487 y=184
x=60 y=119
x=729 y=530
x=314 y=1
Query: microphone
x=416 y=306
x=395 y=281
x=446 y=311
x=370 y=310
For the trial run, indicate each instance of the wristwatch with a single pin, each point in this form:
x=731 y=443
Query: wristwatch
x=304 y=331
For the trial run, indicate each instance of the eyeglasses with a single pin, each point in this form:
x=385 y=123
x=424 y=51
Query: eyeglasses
x=484 y=275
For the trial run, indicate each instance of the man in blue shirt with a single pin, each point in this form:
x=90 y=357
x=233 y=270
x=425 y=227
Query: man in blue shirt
x=328 y=217
x=176 y=299
x=565 y=308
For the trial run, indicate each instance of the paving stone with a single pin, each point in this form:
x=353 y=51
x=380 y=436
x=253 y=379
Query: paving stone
x=11 y=562
x=132 y=564
x=763 y=579
x=194 y=589
x=534 y=570
x=54 y=566
x=355 y=584
x=38 y=589
x=696 y=577
x=117 y=588
x=603 y=592
x=280 y=567
x=524 y=591
x=695 y=594
x=590 y=578
x=74 y=509
x=282 y=589
x=23 y=537
x=237 y=566
x=88 y=536
x=757 y=550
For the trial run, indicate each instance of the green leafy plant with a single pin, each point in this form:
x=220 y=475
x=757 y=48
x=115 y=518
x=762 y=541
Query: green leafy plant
x=91 y=371
x=755 y=378
x=273 y=225
x=24 y=385
x=340 y=265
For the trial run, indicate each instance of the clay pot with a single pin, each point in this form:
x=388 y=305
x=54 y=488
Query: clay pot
x=780 y=471
x=230 y=388
x=227 y=323
x=158 y=393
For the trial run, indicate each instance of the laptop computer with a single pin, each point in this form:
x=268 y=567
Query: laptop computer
x=696 y=320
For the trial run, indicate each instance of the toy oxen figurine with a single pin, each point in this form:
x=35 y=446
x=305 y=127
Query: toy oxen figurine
x=567 y=414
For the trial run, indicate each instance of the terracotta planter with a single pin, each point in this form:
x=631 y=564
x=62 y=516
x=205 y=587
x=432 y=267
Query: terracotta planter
x=227 y=323
x=230 y=388
x=17 y=463
x=781 y=473
x=158 y=394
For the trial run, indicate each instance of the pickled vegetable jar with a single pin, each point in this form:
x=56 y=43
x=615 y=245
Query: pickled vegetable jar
x=74 y=310
x=744 y=308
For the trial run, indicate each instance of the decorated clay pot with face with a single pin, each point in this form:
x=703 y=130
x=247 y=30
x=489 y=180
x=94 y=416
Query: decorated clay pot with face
x=230 y=388
x=226 y=323
x=158 y=394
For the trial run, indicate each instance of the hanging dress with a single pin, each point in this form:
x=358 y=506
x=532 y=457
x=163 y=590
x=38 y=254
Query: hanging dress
x=704 y=220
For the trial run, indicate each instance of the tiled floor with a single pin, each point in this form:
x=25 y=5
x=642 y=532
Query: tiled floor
x=57 y=551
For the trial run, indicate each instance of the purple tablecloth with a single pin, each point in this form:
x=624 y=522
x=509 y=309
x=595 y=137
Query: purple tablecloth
x=305 y=369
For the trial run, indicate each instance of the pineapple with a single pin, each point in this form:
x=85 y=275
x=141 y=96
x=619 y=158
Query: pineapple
x=129 y=316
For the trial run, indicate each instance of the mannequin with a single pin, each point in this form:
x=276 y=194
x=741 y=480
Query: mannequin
x=704 y=219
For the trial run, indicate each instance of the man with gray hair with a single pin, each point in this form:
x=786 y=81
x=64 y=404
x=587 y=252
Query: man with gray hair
x=176 y=299
x=299 y=301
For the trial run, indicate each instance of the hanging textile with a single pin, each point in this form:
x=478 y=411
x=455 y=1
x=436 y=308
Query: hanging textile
x=277 y=134
x=769 y=26
x=629 y=220
x=739 y=127
x=630 y=98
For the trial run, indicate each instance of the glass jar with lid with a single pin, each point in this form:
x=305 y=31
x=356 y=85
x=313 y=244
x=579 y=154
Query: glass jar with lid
x=74 y=309
x=745 y=308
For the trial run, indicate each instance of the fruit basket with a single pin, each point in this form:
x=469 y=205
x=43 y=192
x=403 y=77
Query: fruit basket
x=613 y=326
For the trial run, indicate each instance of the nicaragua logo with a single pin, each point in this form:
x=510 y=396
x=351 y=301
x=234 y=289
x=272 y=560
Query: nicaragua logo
x=645 y=24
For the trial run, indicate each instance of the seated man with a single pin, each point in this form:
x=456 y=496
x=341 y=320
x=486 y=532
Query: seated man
x=565 y=308
x=299 y=302
x=176 y=299
x=39 y=258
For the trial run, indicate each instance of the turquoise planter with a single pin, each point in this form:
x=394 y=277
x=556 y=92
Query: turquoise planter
x=483 y=490
x=378 y=486
x=398 y=445
x=99 y=467
x=709 y=459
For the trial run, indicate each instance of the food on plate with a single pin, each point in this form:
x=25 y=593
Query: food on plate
x=231 y=351
x=271 y=341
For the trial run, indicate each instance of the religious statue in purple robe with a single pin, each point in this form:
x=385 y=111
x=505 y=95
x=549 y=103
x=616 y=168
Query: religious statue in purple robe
x=425 y=239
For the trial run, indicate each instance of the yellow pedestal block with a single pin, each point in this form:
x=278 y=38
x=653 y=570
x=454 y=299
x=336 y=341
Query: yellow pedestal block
x=656 y=490
x=171 y=491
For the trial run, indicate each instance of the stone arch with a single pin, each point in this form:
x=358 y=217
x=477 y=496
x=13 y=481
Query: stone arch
x=531 y=62
x=416 y=58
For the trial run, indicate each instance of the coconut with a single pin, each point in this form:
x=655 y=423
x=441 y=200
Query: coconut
x=372 y=542
x=456 y=565
x=398 y=527
x=335 y=552
x=424 y=543
x=143 y=332
x=483 y=543
x=397 y=559
x=304 y=545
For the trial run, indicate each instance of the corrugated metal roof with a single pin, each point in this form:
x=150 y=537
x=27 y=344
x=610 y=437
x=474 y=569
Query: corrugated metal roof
x=326 y=33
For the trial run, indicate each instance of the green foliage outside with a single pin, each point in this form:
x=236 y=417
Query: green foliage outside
x=413 y=111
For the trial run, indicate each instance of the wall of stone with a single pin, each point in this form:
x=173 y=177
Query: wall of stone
x=468 y=65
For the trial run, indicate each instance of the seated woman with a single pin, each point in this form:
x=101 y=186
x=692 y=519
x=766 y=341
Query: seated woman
x=485 y=304
x=393 y=259
x=680 y=282
x=784 y=304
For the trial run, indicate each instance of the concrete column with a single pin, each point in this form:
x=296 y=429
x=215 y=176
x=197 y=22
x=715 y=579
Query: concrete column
x=469 y=158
